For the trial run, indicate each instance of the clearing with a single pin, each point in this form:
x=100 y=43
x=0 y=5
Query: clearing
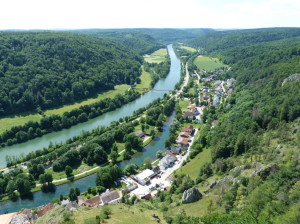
x=157 y=56
x=208 y=63
x=190 y=49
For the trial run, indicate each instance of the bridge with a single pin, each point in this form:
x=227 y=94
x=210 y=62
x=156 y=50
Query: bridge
x=165 y=90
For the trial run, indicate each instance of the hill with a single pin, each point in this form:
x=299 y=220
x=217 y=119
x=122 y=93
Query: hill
x=137 y=41
x=47 y=69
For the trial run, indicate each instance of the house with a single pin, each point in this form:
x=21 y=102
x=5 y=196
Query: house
x=72 y=205
x=216 y=100
x=229 y=92
x=129 y=188
x=44 y=210
x=155 y=169
x=205 y=96
x=175 y=150
x=144 y=177
x=169 y=153
x=183 y=142
x=141 y=134
x=109 y=197
x=167 y=162
x=184 y=135
x=188 y=115
x=217 y=83
x=214 y=123
x=188 y=129
x=92 y=202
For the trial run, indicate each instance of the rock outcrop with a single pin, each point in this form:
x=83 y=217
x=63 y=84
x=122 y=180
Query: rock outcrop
x=20 y=219
x=292 y=78
x=191 y=195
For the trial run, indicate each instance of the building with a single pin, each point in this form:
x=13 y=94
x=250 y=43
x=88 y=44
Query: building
x=216 y=100
x=185 y=134
x=175 y=150
x=167 y=162
x=141 y=134
x=109 y=197
x=92 y=202
x=144 y=177
x=188 y=129
x=183 y=142
x=129 y=188
x=188 y=115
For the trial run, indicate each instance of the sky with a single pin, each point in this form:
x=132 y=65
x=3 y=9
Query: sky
x=79 y=14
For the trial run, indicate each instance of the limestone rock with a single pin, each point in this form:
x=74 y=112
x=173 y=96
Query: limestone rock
x=191 y=195
x=20 y=219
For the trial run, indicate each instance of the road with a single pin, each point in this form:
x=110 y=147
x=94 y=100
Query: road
x=163 y=180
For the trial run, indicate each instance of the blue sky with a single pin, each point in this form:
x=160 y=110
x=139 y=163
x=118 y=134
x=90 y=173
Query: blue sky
x=74 y=14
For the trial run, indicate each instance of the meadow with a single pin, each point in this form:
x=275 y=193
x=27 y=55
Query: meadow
x=208 y=63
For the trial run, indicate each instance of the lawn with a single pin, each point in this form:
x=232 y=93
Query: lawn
x=9 y=122
x=121 y=213
x=190 y=49
x=192 y=168
x=184 y=104
x=145 y=80
x=157 y=56
x=207 y=63
x=160 y=52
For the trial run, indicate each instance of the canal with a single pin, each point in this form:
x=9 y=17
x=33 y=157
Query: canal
x=40 y=198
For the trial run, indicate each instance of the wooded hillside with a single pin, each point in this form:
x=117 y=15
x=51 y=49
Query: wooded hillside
x=46 y=69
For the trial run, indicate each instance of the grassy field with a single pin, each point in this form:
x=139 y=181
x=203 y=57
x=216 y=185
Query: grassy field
x=145 y=80
x=160 y=52
x=190 y=49
x=120 y=213
x=184 y=104
x=192 y=168
x=207 y=63
x=9 y=122
x=119 y=89
x=157 y=56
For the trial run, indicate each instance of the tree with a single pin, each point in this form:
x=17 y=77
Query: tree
x=114 y=157
x=68 y=171
x=73 y=195
x=23 y=186
x=100 y=156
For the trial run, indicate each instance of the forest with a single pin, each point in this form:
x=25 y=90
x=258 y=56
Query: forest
x=261 y=117
x=40 y=70
x=140 y=42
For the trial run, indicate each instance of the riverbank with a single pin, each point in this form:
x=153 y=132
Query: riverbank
x=148 y=152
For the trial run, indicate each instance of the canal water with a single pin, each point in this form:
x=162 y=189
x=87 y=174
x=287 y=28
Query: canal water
x=40 y=198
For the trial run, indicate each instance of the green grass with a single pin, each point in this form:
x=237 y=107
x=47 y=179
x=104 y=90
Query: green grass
x=192 y=168
x=119 y=89
x=183 y=105
x=157 y=56
x=145 y=80
x=160 y=52
x=9 y=122
x=190 y=49
x=207 y=63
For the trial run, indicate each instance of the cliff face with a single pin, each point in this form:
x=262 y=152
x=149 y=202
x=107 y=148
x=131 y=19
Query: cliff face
x=292 y=78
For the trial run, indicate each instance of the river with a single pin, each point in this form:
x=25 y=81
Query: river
x=149 y=151
x=103 y=120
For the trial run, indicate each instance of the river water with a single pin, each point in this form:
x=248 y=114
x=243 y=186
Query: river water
x=104 y=120
x=40 y=198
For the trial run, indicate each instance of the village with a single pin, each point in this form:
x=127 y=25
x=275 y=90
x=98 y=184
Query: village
x=146 y=184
